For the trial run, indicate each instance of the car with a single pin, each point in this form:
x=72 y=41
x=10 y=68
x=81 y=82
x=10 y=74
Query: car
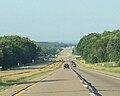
x=66 y=66
x=74 y=65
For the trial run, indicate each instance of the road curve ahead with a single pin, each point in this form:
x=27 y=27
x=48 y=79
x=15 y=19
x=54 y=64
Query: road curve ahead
x=105 y=84
x=64 y=82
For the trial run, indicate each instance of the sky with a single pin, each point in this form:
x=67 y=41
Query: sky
x=58 y=20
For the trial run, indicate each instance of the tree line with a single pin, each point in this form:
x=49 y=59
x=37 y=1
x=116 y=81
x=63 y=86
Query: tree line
x=15 y=50
x=104 y=47
x=52 y=47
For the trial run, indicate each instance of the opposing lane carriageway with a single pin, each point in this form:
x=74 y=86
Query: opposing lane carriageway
x=106 y=84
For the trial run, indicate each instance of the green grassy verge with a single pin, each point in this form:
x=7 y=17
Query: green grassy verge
x=102 y=66
x=8 y=81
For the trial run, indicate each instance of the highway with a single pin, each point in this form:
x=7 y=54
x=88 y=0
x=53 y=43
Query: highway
x=106 y=84
x=64 y=82
x=68 y=82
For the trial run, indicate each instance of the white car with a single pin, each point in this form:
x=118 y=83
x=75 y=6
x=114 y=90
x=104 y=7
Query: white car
x=74 y=65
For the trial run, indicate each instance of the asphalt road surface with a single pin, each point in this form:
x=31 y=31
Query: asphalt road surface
x=64 y=82
x=107 y=85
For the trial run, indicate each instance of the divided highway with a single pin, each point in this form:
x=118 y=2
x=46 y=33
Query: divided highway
x=65 y=82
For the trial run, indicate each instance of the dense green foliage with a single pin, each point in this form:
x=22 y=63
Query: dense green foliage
x=15 y=50
x=74 y=50
x=103 y=47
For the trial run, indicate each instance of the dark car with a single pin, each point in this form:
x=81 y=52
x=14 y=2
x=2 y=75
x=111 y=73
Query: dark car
x=66 y=66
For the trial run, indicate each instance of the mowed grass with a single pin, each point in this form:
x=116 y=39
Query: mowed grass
x=102 y=67
x=6 y=82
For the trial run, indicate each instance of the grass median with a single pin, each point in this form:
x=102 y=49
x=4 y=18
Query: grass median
x=8 y=81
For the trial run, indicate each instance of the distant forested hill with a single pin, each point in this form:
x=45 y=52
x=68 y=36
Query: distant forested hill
x=53 y=47
x=103 y=47
x=55 y=44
